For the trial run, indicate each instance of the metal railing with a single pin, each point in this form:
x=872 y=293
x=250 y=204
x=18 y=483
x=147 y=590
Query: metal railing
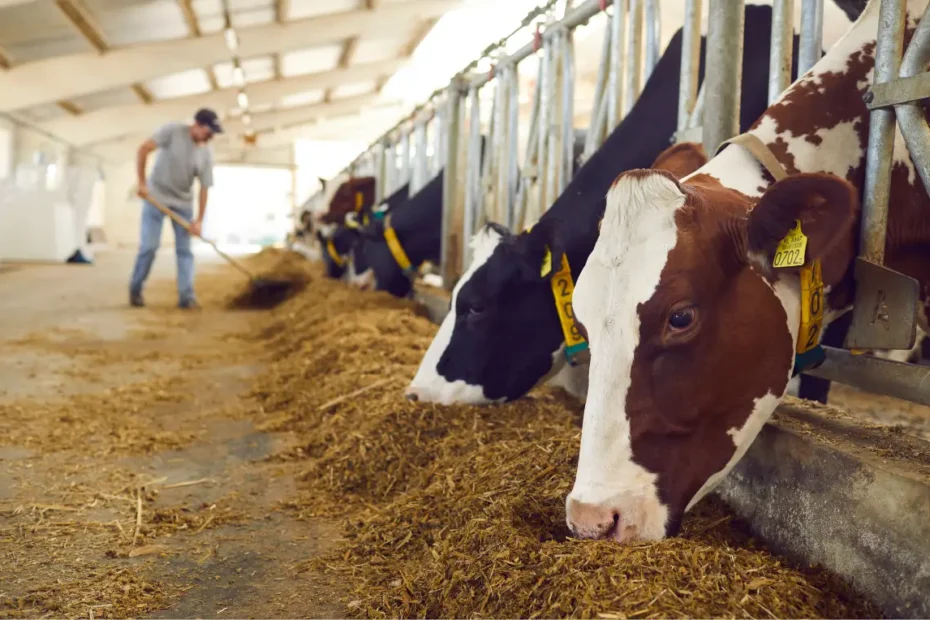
x=485 y=179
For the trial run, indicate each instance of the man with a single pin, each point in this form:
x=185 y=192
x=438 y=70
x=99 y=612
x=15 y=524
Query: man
x=182 y=155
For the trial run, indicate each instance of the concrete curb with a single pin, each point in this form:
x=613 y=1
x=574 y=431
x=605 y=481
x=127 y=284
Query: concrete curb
x=821 y=487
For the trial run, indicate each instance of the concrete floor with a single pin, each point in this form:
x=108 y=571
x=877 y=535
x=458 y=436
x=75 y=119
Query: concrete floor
x=66 y=335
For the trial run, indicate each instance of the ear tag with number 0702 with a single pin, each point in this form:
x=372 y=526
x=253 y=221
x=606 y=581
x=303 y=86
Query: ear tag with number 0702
x=791 y=250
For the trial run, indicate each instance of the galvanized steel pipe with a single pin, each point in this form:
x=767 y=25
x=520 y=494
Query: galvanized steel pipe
x=653 y=32
x=568 y=111
x=780 y=52
x=450 y=185
x=911 y=115
x=811 y=47
x=880 y=150
x=513 y=140
x=615 y=81
x=690 y=62
x=634 y=55
x=724 y=68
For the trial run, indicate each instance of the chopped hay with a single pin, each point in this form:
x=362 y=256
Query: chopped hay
x=279 y=275
x=459 y=511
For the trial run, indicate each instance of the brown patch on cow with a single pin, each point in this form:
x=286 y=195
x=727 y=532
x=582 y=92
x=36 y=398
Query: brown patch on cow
x=681 y=159
x=679 y=420
x=344 y=199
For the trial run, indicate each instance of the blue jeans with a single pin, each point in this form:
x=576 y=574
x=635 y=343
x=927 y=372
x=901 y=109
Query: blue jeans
x=149 y=239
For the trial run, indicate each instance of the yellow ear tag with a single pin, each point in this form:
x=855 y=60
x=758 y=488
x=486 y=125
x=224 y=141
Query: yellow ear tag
x=546 y=264
x=359 y=199
x=791 y=250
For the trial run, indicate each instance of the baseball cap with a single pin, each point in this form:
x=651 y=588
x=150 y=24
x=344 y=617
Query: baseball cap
x=208 y=118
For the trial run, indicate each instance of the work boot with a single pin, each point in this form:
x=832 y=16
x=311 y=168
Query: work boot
x=189 y=304
x=136 y=301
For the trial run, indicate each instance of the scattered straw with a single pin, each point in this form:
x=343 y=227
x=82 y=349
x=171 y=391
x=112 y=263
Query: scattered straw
x=459 y=511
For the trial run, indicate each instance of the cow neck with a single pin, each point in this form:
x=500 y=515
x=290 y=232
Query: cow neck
x=418 y=237
x=808 y=351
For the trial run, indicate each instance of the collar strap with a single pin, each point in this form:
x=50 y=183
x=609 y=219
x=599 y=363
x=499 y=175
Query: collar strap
x=808 y=351
x=333 y=254
x=397 y=250
x=760 y=151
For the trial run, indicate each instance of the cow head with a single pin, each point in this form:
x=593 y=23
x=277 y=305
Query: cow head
x=502 y=335
x=692 y=336
x=353 y=195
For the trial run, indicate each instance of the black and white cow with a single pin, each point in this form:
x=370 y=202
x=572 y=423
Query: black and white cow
x=340 y=257
x=502 y=335
x=418 y=225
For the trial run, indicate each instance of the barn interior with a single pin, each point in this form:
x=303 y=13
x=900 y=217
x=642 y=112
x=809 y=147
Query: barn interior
x=243 y=461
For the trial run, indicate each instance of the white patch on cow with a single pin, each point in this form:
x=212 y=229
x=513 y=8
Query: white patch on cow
x=623 y=271
x=841 y=141
x=734 y=157
x=364 y=281
x=430 y=386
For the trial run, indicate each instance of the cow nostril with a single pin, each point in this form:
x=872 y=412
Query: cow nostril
x=412 y=397
x=616 y=518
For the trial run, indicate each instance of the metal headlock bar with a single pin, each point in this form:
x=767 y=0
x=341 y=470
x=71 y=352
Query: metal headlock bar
x=500 y=186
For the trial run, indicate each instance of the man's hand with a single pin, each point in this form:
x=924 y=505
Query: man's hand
x=196 y=226
x=142 y=191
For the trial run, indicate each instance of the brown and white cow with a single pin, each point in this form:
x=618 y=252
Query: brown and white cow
x=353 y=195
x=692 y=331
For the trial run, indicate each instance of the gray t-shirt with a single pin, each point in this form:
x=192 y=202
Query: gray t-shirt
x=178 y=160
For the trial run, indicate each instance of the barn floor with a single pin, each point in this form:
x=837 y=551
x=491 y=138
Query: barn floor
x=140 y=477
x=151 y=500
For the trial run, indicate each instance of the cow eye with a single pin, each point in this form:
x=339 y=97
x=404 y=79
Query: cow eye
x=475 y=311
x=681 y=319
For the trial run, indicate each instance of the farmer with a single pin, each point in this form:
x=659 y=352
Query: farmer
x=182 y=155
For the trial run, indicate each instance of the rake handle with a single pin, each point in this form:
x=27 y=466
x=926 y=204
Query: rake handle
x=187 y=226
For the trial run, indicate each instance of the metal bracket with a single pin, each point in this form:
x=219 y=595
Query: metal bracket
x=896 y=92
x=885 y=314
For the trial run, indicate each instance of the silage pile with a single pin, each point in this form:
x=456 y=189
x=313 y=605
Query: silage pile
x=278 y=276
x=459 y=511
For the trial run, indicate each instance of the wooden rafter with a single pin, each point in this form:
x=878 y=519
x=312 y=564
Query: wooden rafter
x=193 y=28
x=83 y=21
x=345 y=59
x=190 y=17
x=282 y=9
x=70 y=107
x=418 y=36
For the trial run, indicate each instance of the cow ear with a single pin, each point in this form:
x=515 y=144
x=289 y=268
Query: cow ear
x=681 y=159
x=545 y=248
x=826 y=206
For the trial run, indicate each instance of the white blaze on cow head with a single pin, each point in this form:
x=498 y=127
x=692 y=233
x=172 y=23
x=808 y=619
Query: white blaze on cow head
x=692 y=336
x=429 y=384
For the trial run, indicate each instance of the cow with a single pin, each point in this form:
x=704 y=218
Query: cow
x=417 y=224
x=353 y=195
x=502 y=335
x=692 y=297
x=338 y=249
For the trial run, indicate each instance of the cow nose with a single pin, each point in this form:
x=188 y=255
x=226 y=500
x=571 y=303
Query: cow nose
x=412 y=395
x=591 y=520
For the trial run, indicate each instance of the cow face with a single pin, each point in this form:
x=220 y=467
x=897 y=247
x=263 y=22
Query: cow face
x=692 y=336
x=502 y=335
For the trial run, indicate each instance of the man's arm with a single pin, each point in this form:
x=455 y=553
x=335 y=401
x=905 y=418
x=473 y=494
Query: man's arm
x=142 y=157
